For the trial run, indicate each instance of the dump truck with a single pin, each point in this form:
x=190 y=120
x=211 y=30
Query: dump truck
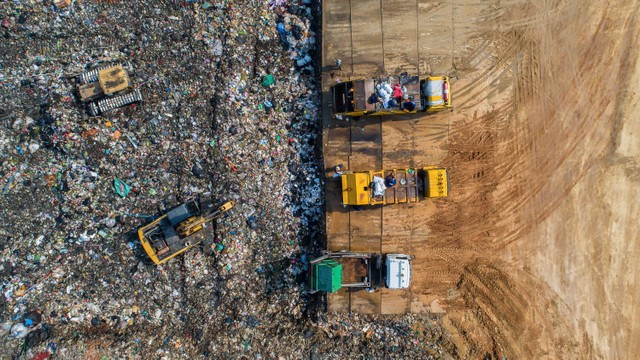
x=336 y=270
x=107 y=88
x=373 y=96
x=374 y=188
x=180 y=229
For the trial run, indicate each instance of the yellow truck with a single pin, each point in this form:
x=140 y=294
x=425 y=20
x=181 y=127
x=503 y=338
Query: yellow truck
x=392 y=95
x=107 y=88
x=179 y=229
x=395 y=186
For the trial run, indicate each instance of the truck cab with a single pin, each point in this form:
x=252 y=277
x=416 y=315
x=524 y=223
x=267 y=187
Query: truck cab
x=435 y=94
x=397 y=271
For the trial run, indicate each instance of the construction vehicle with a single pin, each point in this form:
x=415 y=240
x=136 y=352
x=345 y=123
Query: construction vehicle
x=336 y=270
x=107 y=88
x=179 y=229
x=372 y=187
x=354 y=98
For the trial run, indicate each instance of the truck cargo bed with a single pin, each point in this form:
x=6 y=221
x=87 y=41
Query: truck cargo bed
x=404 y=191
x=354 y=270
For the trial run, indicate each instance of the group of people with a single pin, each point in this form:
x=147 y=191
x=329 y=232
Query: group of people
x=397 y=99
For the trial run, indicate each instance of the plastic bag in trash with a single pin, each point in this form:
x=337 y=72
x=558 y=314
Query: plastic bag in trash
x=121 y=187
x=268 y=80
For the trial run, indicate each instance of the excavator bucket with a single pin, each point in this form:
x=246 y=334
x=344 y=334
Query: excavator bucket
x=226 y=206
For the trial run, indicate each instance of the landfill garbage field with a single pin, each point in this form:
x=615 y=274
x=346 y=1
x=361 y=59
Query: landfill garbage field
x=124 y=121
x=532 y=254
x=114 y=114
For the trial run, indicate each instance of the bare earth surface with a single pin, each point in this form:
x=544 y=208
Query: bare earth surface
x=533 y=255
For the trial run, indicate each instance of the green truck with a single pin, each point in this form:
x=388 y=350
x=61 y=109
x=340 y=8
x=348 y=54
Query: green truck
x=333 y=271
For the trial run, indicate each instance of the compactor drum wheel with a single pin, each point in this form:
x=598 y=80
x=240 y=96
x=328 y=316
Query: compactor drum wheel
x=103 y=105
x=90 y=76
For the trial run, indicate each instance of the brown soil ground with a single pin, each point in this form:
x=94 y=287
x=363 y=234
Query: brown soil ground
x=531 y=255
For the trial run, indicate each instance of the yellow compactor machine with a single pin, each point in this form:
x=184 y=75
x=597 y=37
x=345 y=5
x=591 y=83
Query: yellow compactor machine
x=373 y=187
x=107 y=88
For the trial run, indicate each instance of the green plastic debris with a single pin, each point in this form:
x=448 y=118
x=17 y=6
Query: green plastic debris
x=152 y=192
x=268 y=80
x=121 y=187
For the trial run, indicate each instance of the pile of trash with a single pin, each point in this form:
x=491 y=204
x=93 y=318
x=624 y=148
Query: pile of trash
x=230 y=110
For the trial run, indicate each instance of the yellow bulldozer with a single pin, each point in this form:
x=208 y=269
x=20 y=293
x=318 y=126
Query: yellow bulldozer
x=179 y=229
x=107 y=88
x=395 y=186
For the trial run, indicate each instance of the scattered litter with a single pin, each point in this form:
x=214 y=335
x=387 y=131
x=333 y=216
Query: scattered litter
x=19 y=331
x=205 y=119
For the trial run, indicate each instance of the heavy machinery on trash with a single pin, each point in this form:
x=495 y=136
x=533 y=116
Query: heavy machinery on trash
x=374 y=188
x=107 y=88
x=336 y=270
x=180 y=229
x=380 y=96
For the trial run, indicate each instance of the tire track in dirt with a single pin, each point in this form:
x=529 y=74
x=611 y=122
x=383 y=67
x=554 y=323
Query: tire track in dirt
x=470 y=157
x=501 y=161
x=564 y=142
x=495 y=62
x=506 y=44
x=498 y=321
x=513 y=202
